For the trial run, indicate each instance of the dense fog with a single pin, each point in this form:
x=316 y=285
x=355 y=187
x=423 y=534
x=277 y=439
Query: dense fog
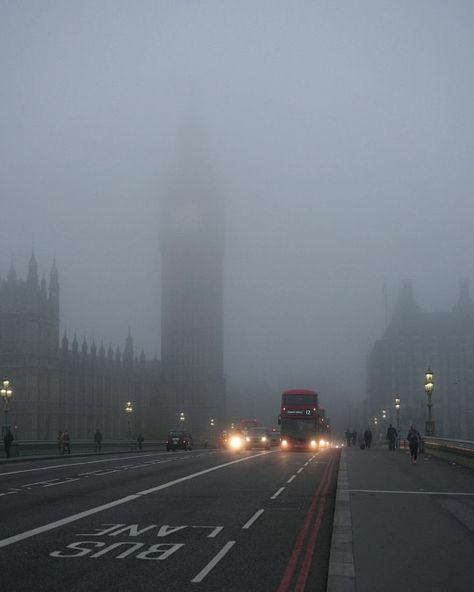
x=341 y=138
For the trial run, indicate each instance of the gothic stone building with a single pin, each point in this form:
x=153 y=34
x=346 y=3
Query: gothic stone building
x=61 y=387
x=84 y=388
x=414 y=340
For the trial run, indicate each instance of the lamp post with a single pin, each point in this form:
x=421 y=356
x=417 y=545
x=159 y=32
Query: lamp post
x=129 y=411
x=429 y=387
x=6 y=392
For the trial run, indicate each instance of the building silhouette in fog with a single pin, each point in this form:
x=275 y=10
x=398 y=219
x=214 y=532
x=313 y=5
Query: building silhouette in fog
x=58 y=386
x=192 y=257
x=82 y=387
x=414 y=340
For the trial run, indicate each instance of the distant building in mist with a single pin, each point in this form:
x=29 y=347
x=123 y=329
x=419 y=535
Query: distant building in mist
x=414 y=340
x=81 y=387
x=58 y=386
x=192 y=260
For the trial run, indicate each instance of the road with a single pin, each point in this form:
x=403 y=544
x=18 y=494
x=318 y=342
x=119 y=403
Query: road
x=202 y=520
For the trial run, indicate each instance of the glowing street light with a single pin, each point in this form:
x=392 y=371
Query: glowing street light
x=182 y=417
x=129 y=411
x=429 y=387
x=6 y=392
x=397 y=409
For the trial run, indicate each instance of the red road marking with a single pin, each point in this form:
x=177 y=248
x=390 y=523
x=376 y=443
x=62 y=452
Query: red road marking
x=290 y=568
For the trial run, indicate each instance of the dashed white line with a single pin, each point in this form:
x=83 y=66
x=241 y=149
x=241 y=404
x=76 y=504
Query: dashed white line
x=203 y=573
x=291 y=478
x=277 y=493
x=299 y=470
x=255 y=517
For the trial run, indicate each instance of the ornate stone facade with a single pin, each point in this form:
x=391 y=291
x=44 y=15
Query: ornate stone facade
x=414 y=340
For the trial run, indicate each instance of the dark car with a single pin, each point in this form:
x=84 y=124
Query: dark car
x=179 y=440
x=258 y=438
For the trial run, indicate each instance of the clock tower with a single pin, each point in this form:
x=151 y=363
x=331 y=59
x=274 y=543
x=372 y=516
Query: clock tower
x=192 y=252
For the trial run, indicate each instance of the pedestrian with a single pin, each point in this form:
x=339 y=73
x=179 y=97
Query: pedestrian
x=414 y=439
x=66 y=439
x=354 y=437
x=7 y=442
x=368 y=438
x=348 y=437
x=140 y=440
x=98 y=441
x=391 y=437
x=59 y=440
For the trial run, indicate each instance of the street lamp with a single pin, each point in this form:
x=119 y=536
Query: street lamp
x=429 y=387
x=129 y=411
x=397 y=409
x=6 y=392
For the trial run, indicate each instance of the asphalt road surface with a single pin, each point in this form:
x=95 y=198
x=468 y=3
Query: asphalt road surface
x=202 y=520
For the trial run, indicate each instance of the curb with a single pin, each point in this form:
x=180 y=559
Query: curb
x=341 y=573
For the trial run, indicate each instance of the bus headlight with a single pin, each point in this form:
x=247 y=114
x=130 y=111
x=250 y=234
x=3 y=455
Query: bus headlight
x=264 y=438
x=236 y=442
x=284 y=443
x=247 y=439
x=322 y=442
x=313 y=443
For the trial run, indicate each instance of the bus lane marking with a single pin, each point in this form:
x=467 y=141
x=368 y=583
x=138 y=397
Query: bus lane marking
x=277 y=493
x=118 y=502
x=291 y=478
x=253 y=519
x=215 y=530
x=210 y=566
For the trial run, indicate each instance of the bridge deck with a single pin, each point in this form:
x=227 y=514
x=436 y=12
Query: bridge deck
x=412 y=524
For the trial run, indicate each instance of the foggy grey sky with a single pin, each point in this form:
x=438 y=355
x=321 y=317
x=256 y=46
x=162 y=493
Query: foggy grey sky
x=341 y=134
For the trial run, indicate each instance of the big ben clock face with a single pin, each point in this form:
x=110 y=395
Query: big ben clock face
x=186 y=217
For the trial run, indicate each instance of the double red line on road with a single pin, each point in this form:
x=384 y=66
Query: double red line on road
x=308 y=534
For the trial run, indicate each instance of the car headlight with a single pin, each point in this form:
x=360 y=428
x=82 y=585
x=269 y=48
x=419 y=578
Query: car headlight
x=264 y=438
x=236 y=442
x=313 y=443
x=247 y=439
x=322 y=442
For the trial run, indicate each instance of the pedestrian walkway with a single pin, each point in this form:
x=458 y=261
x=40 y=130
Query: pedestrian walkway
x=402 y=526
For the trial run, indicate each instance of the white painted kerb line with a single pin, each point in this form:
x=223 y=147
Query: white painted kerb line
x=255 y=517
x=203 y=573
x=52 y=525
x=277 y=493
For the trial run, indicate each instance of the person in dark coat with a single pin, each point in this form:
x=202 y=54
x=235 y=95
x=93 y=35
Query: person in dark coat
x=348 y=437
x=414 y=440
x=7 y=442
x=66 y=442
x=391 y=437
x=98 y=441
x=140 y=440
x=368 y=438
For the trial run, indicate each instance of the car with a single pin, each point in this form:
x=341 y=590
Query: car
x=179 y=440
x=258 y=438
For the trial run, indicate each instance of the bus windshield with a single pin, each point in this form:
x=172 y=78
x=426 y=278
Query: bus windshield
x=299 y=428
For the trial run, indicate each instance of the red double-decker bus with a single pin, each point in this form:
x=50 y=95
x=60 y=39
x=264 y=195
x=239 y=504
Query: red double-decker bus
x=300 y=426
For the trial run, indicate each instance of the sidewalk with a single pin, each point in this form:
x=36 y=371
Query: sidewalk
x=400 y=526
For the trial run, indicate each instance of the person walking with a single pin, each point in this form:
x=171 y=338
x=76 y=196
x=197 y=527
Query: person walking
x=368 y=438
x=414 y=439
x=391 y=437
x=348 y=437
x=97 y=441
x=59 y=440
x=7 y=442
x=140 y=440
x=66 y=439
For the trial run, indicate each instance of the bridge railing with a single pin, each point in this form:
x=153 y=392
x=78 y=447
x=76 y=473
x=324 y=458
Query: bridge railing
x=460 y=451
x=50 y=447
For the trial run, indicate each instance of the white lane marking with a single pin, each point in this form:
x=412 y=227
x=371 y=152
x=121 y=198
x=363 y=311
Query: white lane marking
x=411 y=492
x=107 y=472
x=203 y=573
x=215 y=530
x=277 y=493
x=299 y=470
x=62 y=482
x=89 y=462
x=74 y=517
x=255 y=517
x=291 y=478
x=306 y=464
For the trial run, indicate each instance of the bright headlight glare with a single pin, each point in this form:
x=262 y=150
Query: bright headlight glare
x=322 y=442
x=313 y=443
x=236 y=442
x=248 y=439
x=284 y=443
x=264 y=438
